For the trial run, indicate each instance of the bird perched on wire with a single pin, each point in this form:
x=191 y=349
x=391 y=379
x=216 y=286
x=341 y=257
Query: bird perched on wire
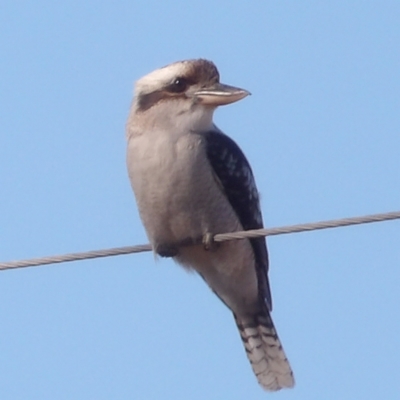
x=192 y=181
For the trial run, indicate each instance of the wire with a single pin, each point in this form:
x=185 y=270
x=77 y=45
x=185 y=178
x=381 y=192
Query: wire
x=34 y=262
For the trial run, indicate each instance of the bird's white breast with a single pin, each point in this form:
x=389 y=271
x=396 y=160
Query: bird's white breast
x=170 y=180
x=179 y=198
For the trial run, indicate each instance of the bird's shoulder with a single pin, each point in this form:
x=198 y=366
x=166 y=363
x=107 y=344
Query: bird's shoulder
x=235 y=177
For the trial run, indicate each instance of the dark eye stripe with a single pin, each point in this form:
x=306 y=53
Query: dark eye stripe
x=174 y=89
x=146 y=101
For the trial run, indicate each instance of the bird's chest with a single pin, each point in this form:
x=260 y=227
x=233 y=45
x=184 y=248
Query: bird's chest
x=159 y=166
x=170 y=179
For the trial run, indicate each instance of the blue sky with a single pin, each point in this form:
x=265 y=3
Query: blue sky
x=322 y=131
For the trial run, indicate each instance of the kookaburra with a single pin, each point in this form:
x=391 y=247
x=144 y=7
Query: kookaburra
x=192 y=181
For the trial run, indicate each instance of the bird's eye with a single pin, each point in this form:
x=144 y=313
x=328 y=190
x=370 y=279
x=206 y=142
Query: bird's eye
x=179 y=85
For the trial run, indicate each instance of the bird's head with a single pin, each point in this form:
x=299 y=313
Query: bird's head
x=184 y=93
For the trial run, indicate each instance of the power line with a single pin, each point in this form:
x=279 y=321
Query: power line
x=222 y=237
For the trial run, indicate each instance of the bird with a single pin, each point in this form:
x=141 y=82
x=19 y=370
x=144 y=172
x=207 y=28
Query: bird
x=192 y=181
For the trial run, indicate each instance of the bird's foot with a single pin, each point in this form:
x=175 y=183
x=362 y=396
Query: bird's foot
x=167 y=250
x=208 y=242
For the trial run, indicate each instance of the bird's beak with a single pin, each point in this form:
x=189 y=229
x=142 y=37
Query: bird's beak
x=220 y=94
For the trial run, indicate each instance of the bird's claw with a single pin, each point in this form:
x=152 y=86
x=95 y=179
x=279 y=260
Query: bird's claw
x=208 y=242
x=167 y=250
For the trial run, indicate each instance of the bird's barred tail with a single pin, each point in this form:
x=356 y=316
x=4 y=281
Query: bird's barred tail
x=265 y=351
